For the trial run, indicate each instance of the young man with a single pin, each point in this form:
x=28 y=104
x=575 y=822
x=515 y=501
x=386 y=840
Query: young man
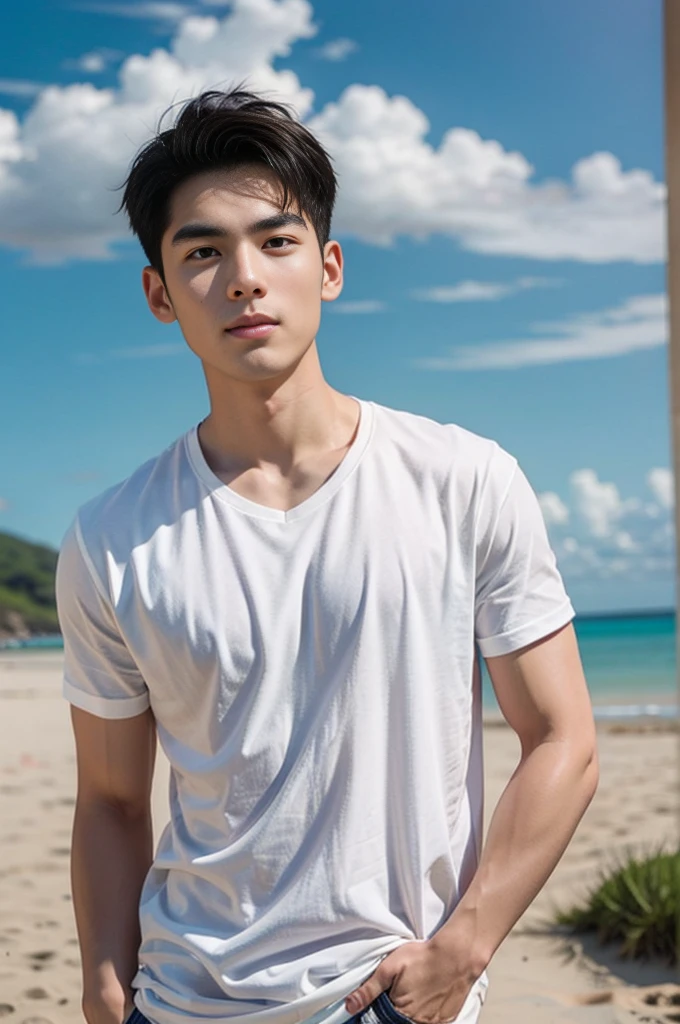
x=289 y=596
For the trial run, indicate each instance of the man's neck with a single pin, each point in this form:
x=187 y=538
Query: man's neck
x=275 y=425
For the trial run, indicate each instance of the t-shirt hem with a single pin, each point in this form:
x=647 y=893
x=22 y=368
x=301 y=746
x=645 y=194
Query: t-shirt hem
x=331 y=1011
x=104 y=707
x=514 y=639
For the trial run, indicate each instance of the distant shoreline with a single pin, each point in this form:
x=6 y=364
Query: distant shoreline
x=646 y=613
x=54 y=641
x=622 y=710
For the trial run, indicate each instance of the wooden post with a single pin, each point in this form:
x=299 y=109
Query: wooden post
x=671 y=30
x=672 y=101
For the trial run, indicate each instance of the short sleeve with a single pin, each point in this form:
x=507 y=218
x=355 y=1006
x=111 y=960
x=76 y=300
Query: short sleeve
x=519 y=593
x=100 y=675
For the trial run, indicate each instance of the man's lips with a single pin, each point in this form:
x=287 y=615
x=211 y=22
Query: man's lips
x=254 y=331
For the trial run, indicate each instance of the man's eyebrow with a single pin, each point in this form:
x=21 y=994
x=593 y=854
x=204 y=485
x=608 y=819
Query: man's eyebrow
x=192 y=232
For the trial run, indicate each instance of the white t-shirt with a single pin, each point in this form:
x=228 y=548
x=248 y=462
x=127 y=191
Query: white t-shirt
x=316 y=689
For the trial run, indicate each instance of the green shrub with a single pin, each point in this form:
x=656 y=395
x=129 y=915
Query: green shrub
x=637 y=903
x=37 y=618
x=27 y=573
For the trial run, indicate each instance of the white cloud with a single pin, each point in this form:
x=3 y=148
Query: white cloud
x=639 y=323
x=598 y=504
x=337 y=49
x=76 y=143
x=464 y=291
x=598 y=534
x=155 y=9
x=553 y=508
x=19 y=87
x=625 y=542
x=58 y=197
x=394 y=183
x=361 y=306
x=94 y=62
x=660 y=483
x=481 y=291
x=10 y=145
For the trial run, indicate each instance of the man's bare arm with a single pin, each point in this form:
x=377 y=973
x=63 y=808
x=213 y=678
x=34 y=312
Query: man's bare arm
x=111 y=853
x=543 y=694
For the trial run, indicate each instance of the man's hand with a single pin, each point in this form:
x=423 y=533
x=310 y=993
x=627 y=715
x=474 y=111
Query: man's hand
x=425 y=983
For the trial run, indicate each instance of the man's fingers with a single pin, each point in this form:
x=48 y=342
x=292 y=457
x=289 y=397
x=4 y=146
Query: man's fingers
x=357 y=1001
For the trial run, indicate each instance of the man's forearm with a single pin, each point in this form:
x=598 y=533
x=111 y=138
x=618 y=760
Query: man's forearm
x=111 y=855
x=531 y=827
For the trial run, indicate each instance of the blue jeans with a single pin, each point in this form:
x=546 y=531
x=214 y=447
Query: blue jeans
x=382 y=1007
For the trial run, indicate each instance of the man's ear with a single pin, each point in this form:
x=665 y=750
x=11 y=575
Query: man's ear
x=331 y=285
x=157 y=296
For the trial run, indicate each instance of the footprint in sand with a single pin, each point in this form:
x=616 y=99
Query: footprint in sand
x=594 y=998
x=42 y=955
x=6 y=1009
x=661 y=998
x=36 y=993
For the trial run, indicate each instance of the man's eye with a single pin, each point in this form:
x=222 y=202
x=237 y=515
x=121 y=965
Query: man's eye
x=279 y=238
x=206 y=250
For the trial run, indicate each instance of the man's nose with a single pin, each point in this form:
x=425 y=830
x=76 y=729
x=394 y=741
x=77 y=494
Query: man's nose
x=245 y=279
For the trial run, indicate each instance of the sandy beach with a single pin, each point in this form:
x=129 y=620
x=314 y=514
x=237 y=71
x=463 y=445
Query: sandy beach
x=536 y=978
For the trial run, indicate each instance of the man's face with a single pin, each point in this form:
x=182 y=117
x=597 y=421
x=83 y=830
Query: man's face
x=219 y=265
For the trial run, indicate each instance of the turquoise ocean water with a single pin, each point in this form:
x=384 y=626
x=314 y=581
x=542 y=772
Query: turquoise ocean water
x=629 y=662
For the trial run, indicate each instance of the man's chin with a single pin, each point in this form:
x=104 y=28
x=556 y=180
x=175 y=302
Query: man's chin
x=252 y=367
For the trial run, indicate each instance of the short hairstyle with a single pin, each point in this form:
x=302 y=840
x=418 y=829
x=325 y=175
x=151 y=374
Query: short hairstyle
x=223 y=130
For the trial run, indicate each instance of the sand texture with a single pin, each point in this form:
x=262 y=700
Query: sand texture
x=536 y=978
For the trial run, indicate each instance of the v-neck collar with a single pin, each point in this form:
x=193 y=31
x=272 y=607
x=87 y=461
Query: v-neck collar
x=321 y=495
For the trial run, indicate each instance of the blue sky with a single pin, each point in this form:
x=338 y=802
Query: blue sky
x=509 y=277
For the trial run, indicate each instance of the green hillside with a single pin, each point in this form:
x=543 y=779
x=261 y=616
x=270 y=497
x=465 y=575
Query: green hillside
x=27 y=600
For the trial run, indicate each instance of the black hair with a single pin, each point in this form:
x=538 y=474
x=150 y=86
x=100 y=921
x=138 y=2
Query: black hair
x=222 y=130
